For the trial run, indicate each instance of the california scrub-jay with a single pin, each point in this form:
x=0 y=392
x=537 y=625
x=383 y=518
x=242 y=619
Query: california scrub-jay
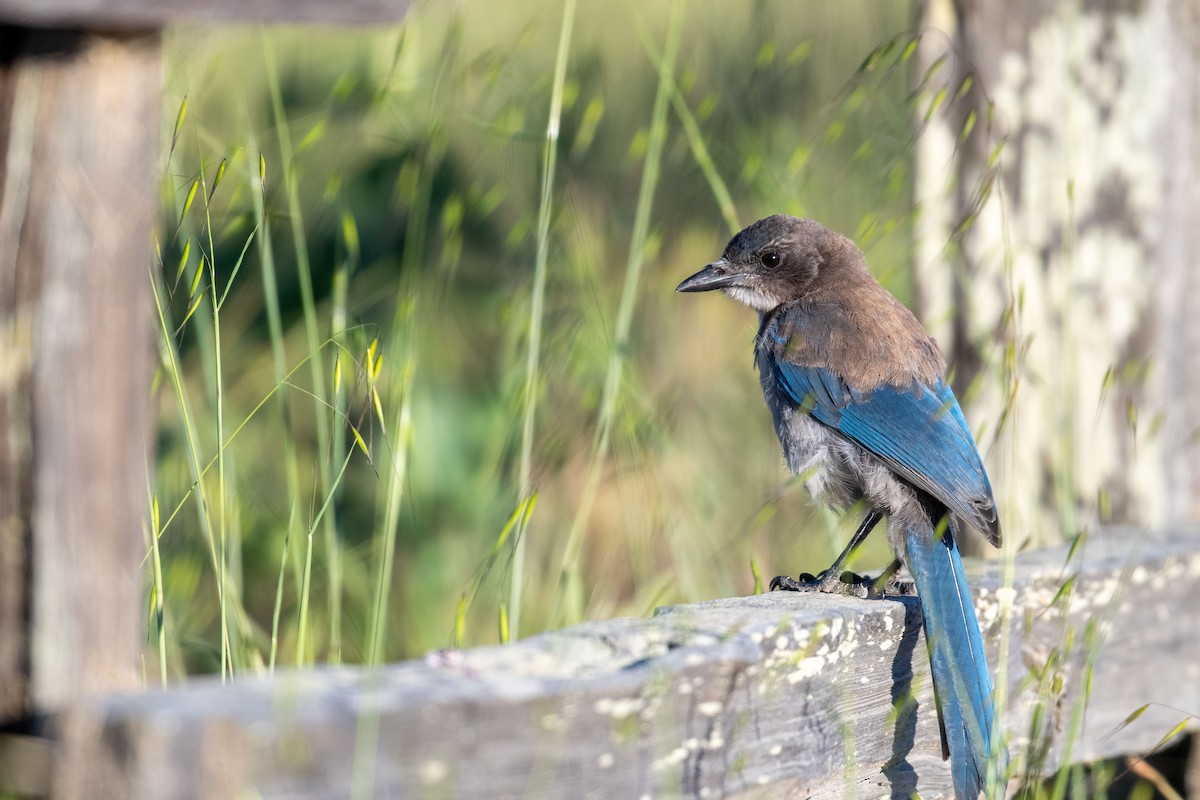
x=857 y=391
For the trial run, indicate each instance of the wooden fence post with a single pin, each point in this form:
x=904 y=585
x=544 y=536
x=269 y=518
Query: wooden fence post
x=80 y=155
x=1081 y=256
x=80 y=85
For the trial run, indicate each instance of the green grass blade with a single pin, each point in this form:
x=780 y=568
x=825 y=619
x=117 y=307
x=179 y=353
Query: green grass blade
x=533 y=357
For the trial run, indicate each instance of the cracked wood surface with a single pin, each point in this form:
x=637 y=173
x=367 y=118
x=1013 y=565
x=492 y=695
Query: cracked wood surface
x=777 y=695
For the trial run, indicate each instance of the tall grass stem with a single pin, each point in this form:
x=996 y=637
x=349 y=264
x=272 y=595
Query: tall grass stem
x=569 y=569
x=313 y=335
x=536 y=311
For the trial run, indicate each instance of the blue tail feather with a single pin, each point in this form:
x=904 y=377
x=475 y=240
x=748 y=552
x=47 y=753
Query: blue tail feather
x=962 y=682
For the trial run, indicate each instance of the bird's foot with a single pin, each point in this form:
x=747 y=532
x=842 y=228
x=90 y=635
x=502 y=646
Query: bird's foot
x=847 y=583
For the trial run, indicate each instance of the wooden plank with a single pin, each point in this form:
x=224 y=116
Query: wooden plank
x=109 y=14
x=771 y=696
x=78 y=160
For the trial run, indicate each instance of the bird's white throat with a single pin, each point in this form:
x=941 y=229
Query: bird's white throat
x=758 y=300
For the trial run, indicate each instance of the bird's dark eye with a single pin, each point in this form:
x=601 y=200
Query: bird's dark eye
x=770 y=259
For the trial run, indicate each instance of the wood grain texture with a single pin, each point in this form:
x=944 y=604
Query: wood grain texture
x=774 y=696
x=80 y=145
x=110 y=14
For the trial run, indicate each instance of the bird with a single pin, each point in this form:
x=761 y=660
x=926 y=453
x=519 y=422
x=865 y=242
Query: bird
x=858 y=395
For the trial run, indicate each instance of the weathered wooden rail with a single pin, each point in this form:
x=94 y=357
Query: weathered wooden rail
x=776 y=695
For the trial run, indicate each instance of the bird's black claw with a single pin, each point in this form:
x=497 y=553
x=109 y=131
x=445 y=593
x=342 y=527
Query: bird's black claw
x=786 y=583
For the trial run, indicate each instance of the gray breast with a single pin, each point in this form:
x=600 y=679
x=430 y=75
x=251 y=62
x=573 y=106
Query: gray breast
x=835 y=470
x=829 y=463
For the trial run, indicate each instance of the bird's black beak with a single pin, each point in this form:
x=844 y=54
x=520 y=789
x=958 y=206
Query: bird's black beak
x=717 y=275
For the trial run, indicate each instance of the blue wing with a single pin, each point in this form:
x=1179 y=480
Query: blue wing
x=919 y=432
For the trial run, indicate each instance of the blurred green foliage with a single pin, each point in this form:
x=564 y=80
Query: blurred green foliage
x=379 y=189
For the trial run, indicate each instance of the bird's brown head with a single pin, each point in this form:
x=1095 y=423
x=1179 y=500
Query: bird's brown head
x=776 y=260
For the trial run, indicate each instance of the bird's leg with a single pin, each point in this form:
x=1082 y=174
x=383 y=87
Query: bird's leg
x=835 y=579
x=838 y=567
